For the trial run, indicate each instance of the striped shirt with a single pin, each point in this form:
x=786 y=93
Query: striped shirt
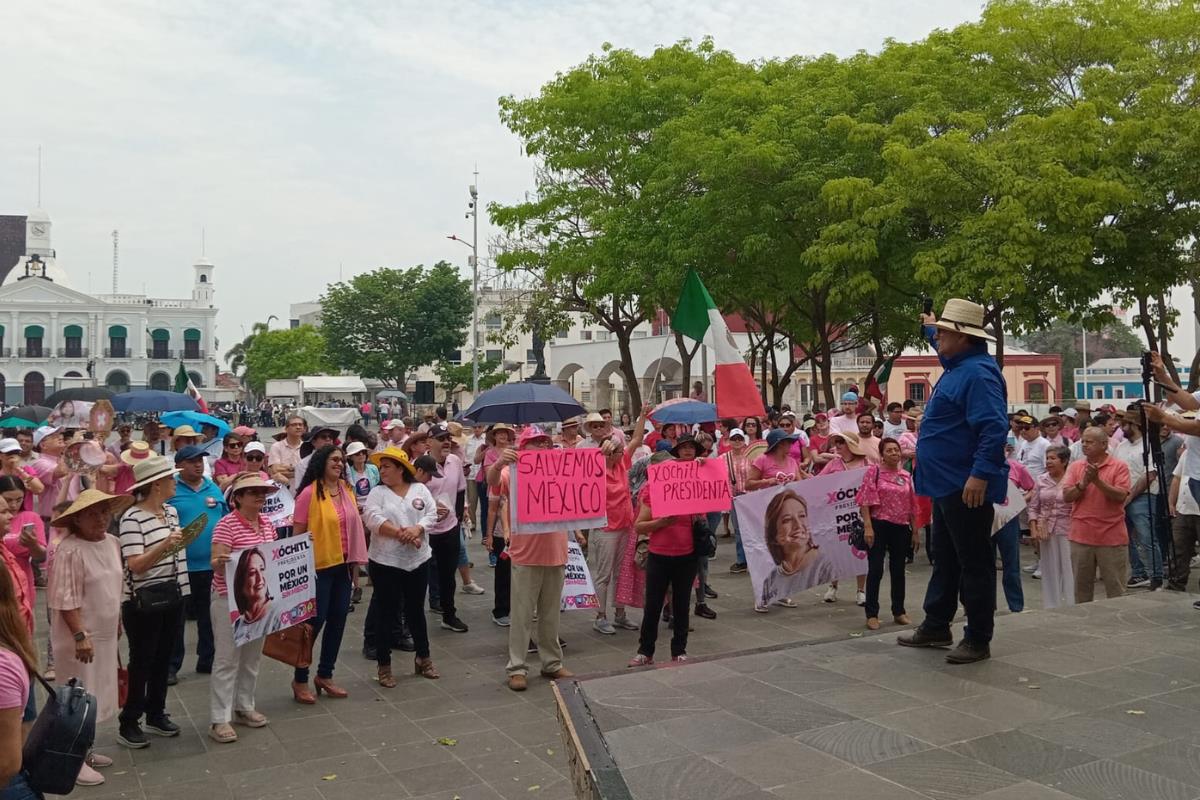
x=140 y=531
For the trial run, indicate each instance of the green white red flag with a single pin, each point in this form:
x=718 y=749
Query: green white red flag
x=698 y=318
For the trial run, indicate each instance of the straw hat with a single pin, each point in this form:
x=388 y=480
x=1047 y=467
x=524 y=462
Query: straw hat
x=963 y=316
x=90 y=497
x=490 y=437
x=184 y=431
x=852 y=443
x=457 y=433
x=393 y=453
x=250 y=480
x=150 y=470
x=136 y=452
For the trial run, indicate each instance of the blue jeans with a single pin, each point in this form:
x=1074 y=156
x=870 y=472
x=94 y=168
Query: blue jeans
x=333 y=605
x=1149 y=549
x=1007 y=541
x=18 y=788
x=737 y=537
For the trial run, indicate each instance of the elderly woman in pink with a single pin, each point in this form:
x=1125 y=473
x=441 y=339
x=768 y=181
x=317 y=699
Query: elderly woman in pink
x=1050 y=520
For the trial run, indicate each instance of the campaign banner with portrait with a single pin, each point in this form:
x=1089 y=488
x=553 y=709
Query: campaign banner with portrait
x=552 y=490
x=802 y=534
x=578 y=590
x=271 y=586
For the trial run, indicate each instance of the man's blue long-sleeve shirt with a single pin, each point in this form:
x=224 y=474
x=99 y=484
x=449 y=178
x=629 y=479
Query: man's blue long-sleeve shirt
x=964 y=427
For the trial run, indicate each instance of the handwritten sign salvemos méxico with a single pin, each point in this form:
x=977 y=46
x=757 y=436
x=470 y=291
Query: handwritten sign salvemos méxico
x=689 y=487
x=560 y=485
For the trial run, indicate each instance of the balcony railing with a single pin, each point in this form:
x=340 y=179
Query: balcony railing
x=193 y=355
x=72 y=352
x=5 y=352
x=119 y=352
x=32 y=352
x=161 y=355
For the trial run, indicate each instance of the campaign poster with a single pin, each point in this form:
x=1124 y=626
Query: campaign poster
x=798 y=535
x=554 y=490
x=578 y=591
x=689 y=487
x=271 y=586
x=280 y=507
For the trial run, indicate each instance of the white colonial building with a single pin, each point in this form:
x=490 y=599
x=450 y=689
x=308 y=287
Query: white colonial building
x=50 y=331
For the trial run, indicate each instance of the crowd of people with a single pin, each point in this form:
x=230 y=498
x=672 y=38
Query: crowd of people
x=136 y=548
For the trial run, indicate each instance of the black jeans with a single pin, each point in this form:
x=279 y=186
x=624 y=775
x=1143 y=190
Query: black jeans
x=502 y=586
x=151 y=637
x=446 y=548
x=678 y=573
x=198 y=601
x=963 y=567
x=397 y=588
x=393 y=625
x=893 y=541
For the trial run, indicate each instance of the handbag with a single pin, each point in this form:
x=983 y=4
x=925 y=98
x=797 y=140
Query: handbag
x=704 y=541
x=293 y=646
x=60 y=738
x=157 y=597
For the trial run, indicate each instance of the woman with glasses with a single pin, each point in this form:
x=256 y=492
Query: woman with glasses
x=231 y=461
x=753 y=430
x=255 y=457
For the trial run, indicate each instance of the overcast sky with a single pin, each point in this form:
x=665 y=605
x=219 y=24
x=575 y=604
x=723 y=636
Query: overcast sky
x=314 y=139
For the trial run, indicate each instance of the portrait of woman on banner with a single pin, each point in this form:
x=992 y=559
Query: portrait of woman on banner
x=799 y=562
x=252 y=596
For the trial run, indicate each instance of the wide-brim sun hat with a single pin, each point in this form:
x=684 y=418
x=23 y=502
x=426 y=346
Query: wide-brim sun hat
x=393 y=453
x=136 y=452
x=963 y=316
x=490 y=436
x=184 y=431
x=354 y=448
x=853 y=444
x=250 y=480
x=776 y=436
x=687 y=438
x=152 y=469
x=91 y=497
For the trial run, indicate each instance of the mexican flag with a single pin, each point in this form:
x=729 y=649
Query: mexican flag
x=877 y=383
x=184 y=385
x=698 y=318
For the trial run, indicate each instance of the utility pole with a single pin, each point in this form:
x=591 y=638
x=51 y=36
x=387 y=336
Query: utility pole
x=473 y=213
x=116 y=260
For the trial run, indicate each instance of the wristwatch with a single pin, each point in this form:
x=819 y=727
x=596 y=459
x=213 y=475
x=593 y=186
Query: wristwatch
x=80 y=635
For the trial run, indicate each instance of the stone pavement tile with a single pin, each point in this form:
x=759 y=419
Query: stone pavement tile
x=516 y=713
x=1099 y=737
x=1177 y=760
x=1025 y=790
x=769 y=706
x=942 y=774
x=321 y=747
x=455 y=725
x=711 y=732
x=939 y=725
x=1150 y=716
x=234 y=758
x=289 y=730
x=1152 y=642
x=1075 y=695
x=775 y=762
x=840 y=785
x=1168 y=666
x=1055 y=662
x=940 y=688
x=805 y=679
x=1106 y=651
x=1112 y=780
x=1021 y=754
x=389 y=734
x=375 y=787
x=532 y=733
x=649 y=705
x=425 y=780
x=558 y=789
x=428 y=707
x=212 y=788
x=1136 y=682
x=1036 y=637
x=685 y=778
x=680 y=676
x=187 y=743
x=861 y=742
x=480 y=791
x=516 y=766
x=1009 y=708
x=865 y=699
x=424 y=753
x=639 y=744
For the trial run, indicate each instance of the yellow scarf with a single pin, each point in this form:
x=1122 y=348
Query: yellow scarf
x=326 y=530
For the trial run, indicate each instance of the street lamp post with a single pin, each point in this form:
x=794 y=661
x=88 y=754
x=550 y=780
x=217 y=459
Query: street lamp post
x=473 y=262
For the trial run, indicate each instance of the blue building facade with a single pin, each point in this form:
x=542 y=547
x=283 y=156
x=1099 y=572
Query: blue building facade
x=1115 y=379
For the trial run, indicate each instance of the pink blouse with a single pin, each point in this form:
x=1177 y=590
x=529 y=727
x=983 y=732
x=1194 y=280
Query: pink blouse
x=1019 y=475
x=234 y=532
x=739 y=468
x=889 y=494
x=1048 y=506
x=771 y=470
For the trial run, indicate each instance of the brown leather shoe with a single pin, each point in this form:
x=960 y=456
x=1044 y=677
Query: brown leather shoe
x=873 y=623
x=902 y=619
x=559 y=674
x=517 y=683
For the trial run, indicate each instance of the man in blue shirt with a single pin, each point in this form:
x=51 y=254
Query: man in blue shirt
x=961 y=465
x=196 y=495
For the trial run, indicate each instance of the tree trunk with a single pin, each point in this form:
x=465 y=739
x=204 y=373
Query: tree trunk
x=815 y=381
x=685 y=363
x=1194 y=376
x=1164 y=339
x=1147 y=323
x=632 y=384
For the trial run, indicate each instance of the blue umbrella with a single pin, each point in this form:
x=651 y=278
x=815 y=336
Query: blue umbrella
x=174 y=419
x=153 y=400
x=522 y=404
x=684 y=411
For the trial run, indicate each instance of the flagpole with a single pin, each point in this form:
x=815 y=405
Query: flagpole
x=658 y=371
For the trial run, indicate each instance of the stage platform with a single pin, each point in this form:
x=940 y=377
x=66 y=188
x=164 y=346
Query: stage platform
x=1096 y=701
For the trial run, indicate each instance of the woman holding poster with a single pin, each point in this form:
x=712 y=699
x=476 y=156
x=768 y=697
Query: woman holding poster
x=849 y=455
x=397 y=513
x=775 y=467
x=889 y=510
x=790 y=543
x=239 y=646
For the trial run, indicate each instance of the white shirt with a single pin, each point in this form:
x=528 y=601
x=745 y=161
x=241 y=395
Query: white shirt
x=473 y=445
x=1032 y=455
x=894 y=431
x=415 y=508
x=844 y=423
x=1131 y=454
x=1186 y=502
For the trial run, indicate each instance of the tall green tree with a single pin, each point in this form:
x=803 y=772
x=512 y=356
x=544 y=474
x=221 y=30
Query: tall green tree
x=236 y=355
x=386 y=323
x=287 y=353
x=454 y=378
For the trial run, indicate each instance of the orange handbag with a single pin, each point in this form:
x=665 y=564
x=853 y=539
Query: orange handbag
x=293 y=646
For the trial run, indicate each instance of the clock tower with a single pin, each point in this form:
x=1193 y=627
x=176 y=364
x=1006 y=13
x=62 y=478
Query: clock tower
x=37 y=233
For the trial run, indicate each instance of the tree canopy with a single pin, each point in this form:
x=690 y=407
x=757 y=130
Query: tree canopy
x=287 y=353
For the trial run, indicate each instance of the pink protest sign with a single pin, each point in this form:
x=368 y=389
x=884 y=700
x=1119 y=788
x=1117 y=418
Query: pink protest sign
x=689 y=487
x=560 y=486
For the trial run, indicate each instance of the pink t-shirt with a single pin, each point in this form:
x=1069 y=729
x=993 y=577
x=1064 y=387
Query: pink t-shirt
x=1019 y=475
x=535 y=549
x=44 y=468
x=673 y=540
x=237 y=534
x=12 y=542
x=889 y=494
x=14 y=680
x=224 y=466
x=770 y=469
x=616 y=492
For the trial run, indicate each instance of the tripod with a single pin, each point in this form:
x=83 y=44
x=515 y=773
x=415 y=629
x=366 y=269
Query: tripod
x=1152 y=457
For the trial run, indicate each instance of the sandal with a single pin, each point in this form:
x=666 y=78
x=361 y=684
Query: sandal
x=425 y=668
x=251 y=719
x=222 y=732
x=386 y=679
x=787 y=602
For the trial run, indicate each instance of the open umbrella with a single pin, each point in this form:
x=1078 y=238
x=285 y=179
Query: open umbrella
x=88 y=394
x=154 y=400
x=174 y=419
x=396 y=393
x=522 y=404
x=17 y=422
x=36 y=414
x=684 y=411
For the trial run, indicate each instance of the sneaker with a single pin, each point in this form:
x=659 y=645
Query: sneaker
x=130 y=734
x=679 y=659
x=860 y=598
x=737 y=568
x=624 y=623
x=472 y=588
x=602 y=625
x=503 y=622
x=88 y=776
x=703 y=610
x=1196 y=605
x=644 y=661
x=1137 y=583
x=162 y=725
x=1034 y=567
x=969 y=652
x=454 y=624
x=830 y=595
x=709 y=593
x=1037 y=574
x=492 y=560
